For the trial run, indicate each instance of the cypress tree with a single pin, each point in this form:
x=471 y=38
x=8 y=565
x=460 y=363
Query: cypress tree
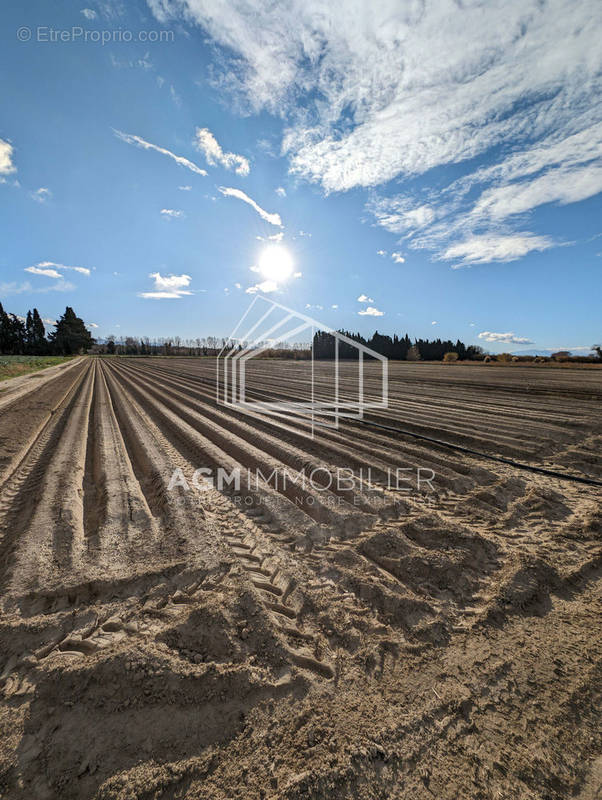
x=71 y=335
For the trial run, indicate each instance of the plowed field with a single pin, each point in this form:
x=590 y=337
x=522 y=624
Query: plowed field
x=167 y=638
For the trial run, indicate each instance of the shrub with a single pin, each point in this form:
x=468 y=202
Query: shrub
x=448 y=358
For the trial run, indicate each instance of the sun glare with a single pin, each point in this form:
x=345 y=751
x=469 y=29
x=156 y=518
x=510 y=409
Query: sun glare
x=276 y=263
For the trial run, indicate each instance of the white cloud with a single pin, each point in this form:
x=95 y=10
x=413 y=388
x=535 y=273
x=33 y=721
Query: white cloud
x=184 y=188
x=398 y=258
x=50 y=269
x=448 y=83
x=89 y=13
x=563 y=185
x=177 y=100
x=370 y=311
x=505 y=338
x=238 y=286
x=143 y=63
x=280 y=191
x=139 y=142
x=81 y=270
x=428 y=98
x=265 y=286
x=13 y=287
x=91 y=325
x=48 y=321
x=42 y=194
x=399 y=214
x=434 y=322
x=273 y=219
x=363 y=298
x=335 y=306
x=381 y=253
x=485 y=249
x=274 y=237
x=167 y=287
x=297 y=274
x=208 y=144
x=48 y=273
x=171 y=213
x=6 y=158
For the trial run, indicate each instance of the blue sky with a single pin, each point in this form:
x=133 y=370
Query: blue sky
x=442 y=163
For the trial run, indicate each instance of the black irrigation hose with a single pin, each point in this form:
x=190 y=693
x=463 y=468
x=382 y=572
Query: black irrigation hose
x=517 y=464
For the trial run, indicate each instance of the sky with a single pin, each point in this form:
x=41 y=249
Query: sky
x=426 y=167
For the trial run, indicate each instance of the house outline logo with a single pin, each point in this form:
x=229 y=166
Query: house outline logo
x=271 y=329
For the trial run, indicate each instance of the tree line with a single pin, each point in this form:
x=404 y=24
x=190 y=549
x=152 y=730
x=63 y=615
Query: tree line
x=395 y=347
x=23 y=336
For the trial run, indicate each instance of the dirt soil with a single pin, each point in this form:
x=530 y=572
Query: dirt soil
x=299 y=641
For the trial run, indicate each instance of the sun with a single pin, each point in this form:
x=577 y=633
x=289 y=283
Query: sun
x=276 y=263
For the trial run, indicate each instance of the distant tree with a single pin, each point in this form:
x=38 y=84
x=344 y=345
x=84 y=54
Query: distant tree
x=29 y=344
x=450 y=357
x=5 y=331
x=71 y=335
x=17 y=335
x=111 y=345
x=596 y=349
x=39 y=342
x=561 y=355
x=131 y=346
x=475 y=352
x=414 y=353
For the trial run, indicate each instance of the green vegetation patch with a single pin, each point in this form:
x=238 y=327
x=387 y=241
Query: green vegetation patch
x=13 y=366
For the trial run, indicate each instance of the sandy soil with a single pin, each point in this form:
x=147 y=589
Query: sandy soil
x=299 y=641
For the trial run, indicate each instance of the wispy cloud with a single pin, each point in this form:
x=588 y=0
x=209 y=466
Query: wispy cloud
x=6 y=158
x=45 y=271
x=363 y=298
x=12 y=287
x=51 y=269
x=430 y=100
x=171 y=213
x=280 y=191
x=370 y=311
x=523 y=95
x=185 y=188
x=488 y=248
x=82 y=270
x=398 y=258
x=505 y=338
x=138 y=141
x=273 y=237
x=265 y=286
x=399 y=214
x=167 y=287
x=41 y=195
x=89 y=13
x=208 y=144
x=273 y=219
